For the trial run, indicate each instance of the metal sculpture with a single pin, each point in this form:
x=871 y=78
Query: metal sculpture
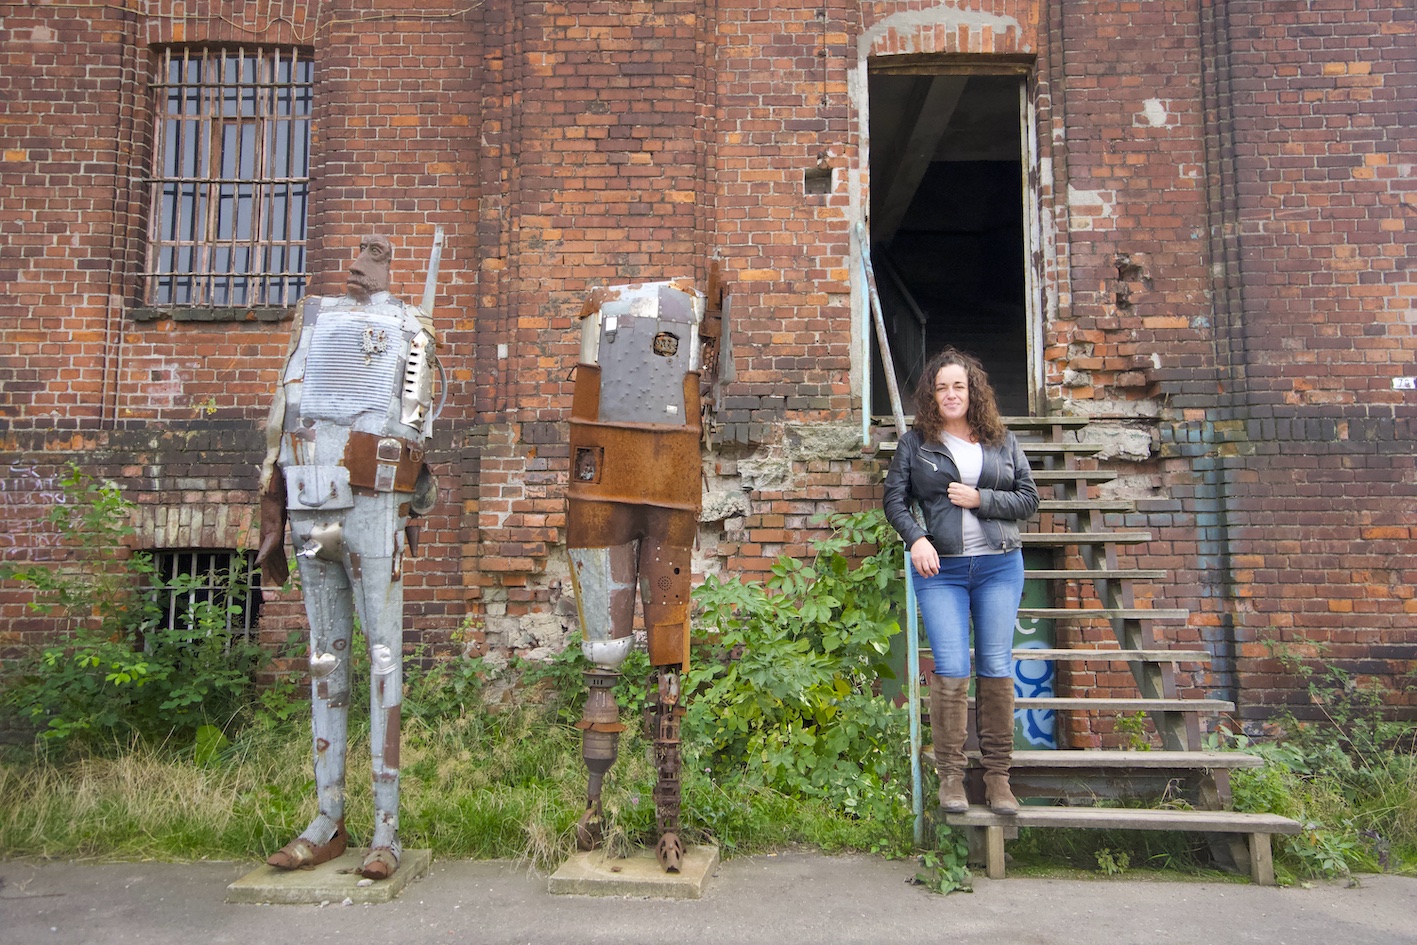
x=345 y=464
x=633 y=504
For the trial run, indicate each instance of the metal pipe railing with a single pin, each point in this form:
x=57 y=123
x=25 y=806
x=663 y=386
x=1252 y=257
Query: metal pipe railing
x=912 y=649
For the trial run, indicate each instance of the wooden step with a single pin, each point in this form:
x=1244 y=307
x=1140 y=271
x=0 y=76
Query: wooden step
x=1010 y=422
x=1258 y=827
x=1046 y=448
x=1024 y=423
x=1085 y=776
x=1103 y=613
x=1123 y=704
x=1084 y=758
x=1094 y=574
x=1049 y=476
x=1116 y=656
x=1031 y=448
x=1055 y=539
x=1072 y=758
x=1087 y=505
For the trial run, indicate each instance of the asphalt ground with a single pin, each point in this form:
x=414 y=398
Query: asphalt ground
x=777 y=899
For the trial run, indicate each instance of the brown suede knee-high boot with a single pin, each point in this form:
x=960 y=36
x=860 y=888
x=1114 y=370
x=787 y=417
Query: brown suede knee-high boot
x=995 y=700
x=949 y=715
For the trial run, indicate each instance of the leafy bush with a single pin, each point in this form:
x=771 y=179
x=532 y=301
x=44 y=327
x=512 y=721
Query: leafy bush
x=783 y=694
x=785 y=739
x=1351 y=780
x=123 y=671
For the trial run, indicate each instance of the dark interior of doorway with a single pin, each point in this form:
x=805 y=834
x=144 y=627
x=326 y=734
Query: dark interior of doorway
x=947 y=227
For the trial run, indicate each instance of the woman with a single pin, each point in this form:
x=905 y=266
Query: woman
x=956 y=491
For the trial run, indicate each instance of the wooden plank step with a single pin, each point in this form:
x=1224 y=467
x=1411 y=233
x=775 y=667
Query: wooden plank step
x=1087 y=505
x=1258 y=827
x=1129 y=818
x=1010 y=422
x=1049 y=476
x=1107 y=656
x=1123 y=704
x=1085 y=538
x=1046 y=448
x=1084 y=758
x=1116 y=656
x=1045 y=422
x=1104 y=613
x=1029 y=447
x=1094 y=574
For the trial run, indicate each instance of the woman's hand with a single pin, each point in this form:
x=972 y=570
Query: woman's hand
x=966 y=497
x=924 y=558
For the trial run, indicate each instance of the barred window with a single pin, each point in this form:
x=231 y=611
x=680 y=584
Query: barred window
x=230 y=178
x=202 y=590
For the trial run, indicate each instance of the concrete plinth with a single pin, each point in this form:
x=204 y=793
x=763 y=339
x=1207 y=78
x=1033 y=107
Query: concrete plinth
x=332 y=882
x=596 y=874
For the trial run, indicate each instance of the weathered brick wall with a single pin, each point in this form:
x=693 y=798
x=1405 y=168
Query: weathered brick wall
x=1128 y=153
x=595 y=139
x=395 y=152
x=66 y=84
x=1261 y=331
x=1319 y=466
x=189 y=486
x=1225 y=250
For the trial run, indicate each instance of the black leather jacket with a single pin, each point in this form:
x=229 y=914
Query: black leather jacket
x=922 y=472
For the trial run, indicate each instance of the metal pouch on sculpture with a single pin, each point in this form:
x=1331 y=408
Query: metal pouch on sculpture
x=318 y=488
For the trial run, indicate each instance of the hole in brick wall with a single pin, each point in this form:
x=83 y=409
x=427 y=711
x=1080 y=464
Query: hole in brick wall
x=817 y=180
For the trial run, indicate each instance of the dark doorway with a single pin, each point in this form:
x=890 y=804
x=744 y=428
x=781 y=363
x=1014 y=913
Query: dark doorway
x=947 y=226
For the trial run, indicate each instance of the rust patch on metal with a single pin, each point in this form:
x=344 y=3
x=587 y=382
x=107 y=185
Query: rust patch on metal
x=638 y=464
x=669 y=644
x=391 y=736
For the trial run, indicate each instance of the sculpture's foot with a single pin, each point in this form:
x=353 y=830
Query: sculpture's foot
x=380 y=863
x=301 y=854
x=669 y=852
x=589 y=830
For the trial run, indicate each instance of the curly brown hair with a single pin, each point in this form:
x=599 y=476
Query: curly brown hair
x=983 y=412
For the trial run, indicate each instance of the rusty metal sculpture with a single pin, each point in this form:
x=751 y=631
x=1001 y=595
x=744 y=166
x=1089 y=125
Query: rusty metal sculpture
x=633 y=505
x=345 y=464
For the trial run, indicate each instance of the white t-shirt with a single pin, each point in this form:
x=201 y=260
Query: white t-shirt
x=969 y=458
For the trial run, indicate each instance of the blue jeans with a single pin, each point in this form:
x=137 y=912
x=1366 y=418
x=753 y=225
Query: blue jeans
x=988 y=589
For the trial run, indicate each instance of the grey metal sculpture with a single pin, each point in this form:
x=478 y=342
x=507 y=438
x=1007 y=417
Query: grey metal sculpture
x=345 y=464
x=632 y=517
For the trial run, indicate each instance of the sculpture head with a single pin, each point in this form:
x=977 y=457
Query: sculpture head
x=370 y=271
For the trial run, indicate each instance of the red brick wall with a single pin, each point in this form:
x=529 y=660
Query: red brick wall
x=65 y=83
x=1323 y=482
x=1225 y=208
x=1269 y=307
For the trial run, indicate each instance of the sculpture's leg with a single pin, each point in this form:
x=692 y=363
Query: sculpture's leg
x=604 y=583
x=600 y=746
x=665 y=713
x=375 y=546
x=665 y=581
x=329 y=608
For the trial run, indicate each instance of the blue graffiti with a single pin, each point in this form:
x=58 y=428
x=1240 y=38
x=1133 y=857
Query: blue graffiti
x=1034 y=679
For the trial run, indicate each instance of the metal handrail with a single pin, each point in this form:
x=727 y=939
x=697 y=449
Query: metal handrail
x=863 y=246
x=912 y=650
